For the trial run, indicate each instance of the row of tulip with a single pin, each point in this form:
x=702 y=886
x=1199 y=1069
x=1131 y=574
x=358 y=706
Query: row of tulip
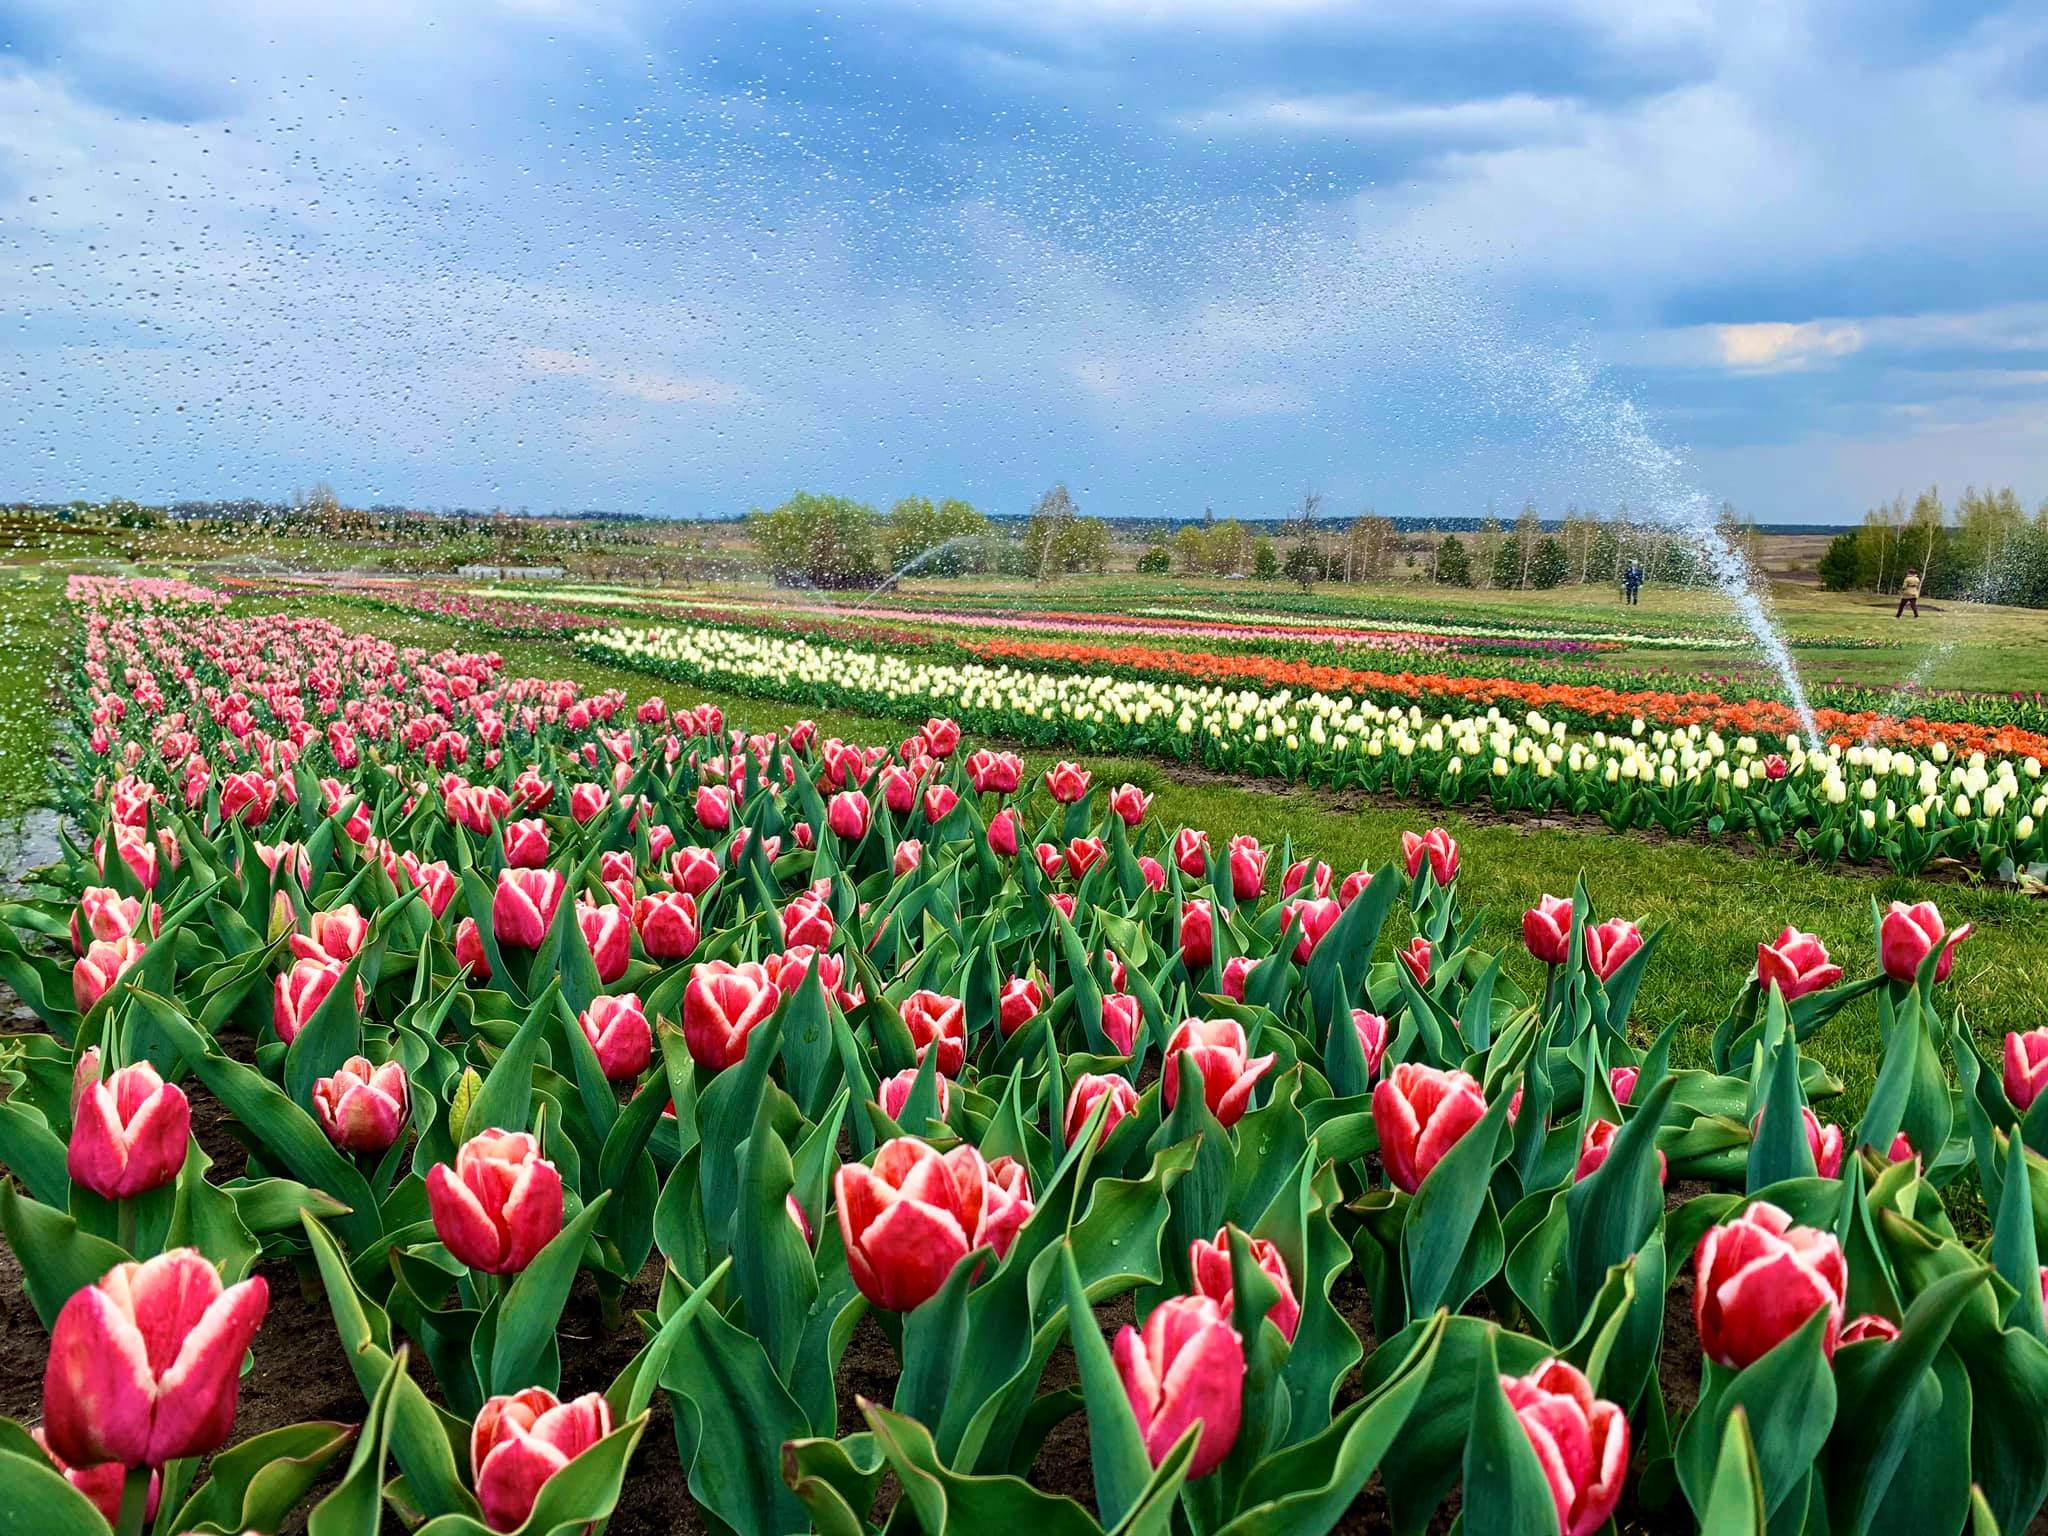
x=914 y=1043
x=1854 y=802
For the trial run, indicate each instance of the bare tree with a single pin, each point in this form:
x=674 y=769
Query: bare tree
x=1304 y=523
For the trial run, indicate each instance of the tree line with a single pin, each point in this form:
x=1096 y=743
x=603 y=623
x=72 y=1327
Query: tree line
x=1986 y=548
x=837 y=542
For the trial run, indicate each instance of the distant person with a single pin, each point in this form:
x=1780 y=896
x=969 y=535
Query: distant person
x=1909 y=594
x=1632 y=583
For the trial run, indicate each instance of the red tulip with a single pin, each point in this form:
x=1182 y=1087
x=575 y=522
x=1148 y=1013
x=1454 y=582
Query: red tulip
x=1229 y=1071
x=1197 y=933
x=362 y=1108
x=848 y=815
x=524 y=906
x=1005 y=832
x=714 y=806
x=1088 y=1090
x=1005 y=1204
x=908 y=1220
x=722 y=1004
x=1823 y=1141
x=470 y=959
x=693 y=870
x=1065 y=901
x=1188 y=1364
x=1908 y=935
x=939 y=801
x=1901 y=1150
x=298 y=993
x=247 y=797
x=1621 y=1081
x=997 y=773
x=787 y=971
x=1417 y=958
x=1421 y=1113
x=526 y=843
x=1372 y=1038
x=104 y=962
x=1067 y=782
x=1129 y=803
x=1775 y=767
x=2026 y=1067
x=667 y=921
x=336 y=934
x=1547 y=929
x=1121 y=1016
x=1211 y=1264
x=1599 y=1141
x=1153 y=871
x=608 y=931
x=1871 y=1325
x=587 y=802
x=941 y=736
x=144 y=1363
x=1237 y=970
x=909 y=854
x=933 y=1018
x=435 y=882
x=616 y=1028
x=1353 y=886
x=1581 y=1442
x=807 y=920
x=129 y=1133
x=102 y=1485
x=1247 y=868
x=894 y=1094
x=1022 y=1000
x=1798 y=963
x=521 y=1441
x=1437 y=848
x=1609 y=944
x=1312 y=919
x=499 y=1205
x=1083 y=854
x=1191 y=852
x=1759 y=1278
x=108 y=915
x=1051 y=862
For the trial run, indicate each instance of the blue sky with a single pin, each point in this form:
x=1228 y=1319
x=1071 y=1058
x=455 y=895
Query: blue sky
x=1423 y=255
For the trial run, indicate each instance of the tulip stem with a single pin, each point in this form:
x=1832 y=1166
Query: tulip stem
x=124 y=1226
x=134 y=1495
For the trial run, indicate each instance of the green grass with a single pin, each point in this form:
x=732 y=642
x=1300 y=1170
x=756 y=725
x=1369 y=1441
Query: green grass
x=1716 y=903
x=30 y=638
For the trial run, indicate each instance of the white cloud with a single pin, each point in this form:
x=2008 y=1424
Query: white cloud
x=1516 y=118
x=1776 y=344
x=654 y=385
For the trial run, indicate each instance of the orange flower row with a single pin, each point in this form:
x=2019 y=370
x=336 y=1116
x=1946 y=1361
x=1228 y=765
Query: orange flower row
x=1750 y=717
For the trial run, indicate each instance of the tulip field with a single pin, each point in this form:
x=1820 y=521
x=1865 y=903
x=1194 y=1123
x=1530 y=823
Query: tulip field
x=667 y=1121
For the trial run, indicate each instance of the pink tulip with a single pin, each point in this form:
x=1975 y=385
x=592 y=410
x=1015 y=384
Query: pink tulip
x=1312 y=874
x=1417 y=958
x=104 y=962
x=899 y=789
x=526 y=843
x=941 y=736
x=1229 y=1071
x=1798 y=963
x=1621 y=1081
x=1005 y=832
x=1197 y=933
x=939 y=801
x=103 y=1484
x=1312 y=920
x=1067 y=782
x=1599 y=1141
x=848 y=815
x=1437 y=848
x=722 y=1004
x=336 y=934
x=1421 y=1113
x=435 y=882
x=129 y=1133
x=1153 y=871
x=1083 y=854
x=1547 y=929
x=587 y=802
x=807 y=920
x=908 y=1220
x=1188 y=1364
x=1759 y=1278
x=1609 y=944
x=608 y=931
x=1129 y=803
x=499 y=1205
x=714 y=806
x=1581 y=1442
x=693 y=870
x=108 y=915
x=2026 y=1067
x=521 y=1441
x=1871 y=1325
x=1191 y=852
x=1005 y=1204
x=1901 y=1150
x=1052 y=863
x=1088 y=1090
x=894 y=1094
x=1022 y=1000
x=909 y=854
x=470 y=959
x=1906 y=936
x=523 y=909
x=362 y=1108
x=1211 y=1264
x=667 y=921
x=616 y=1028
x=1237 y=972
x=144 y=1364
x=1372 y=1038
x=934 y=1019
x=298 y=993
x=1247 y=868
x=1121 y=1016
x=995 y=773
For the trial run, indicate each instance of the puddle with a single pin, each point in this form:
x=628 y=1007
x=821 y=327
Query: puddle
x=28 y=841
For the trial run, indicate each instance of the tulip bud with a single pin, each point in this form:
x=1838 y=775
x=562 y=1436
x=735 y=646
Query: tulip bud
x=523 y=908
x=1437 y=848
x=1798 y=963
x=1022 y=1000
x=617 y=1030
x=1088 y=1090
x=1197 y=933
x=470 y=960
x=2026 y=1067
x=1191 y=852
x=667 y=921
x=693 y=870
x=298 y=993
x=608 y=931
x=1237 y=971
x=722 y=1004
x=1417 y=957
x=1129 y=803
x=934 y=1019
x=129 y=1134
x=1609 y=944
x=1547 y=929
x=908 y=1220
x=848 y=815
x=1372 y=1038
x=714 y=806
x=1312 y=920
x=1213 y=1278
x=1247 y=868
x=1581 y=1442
x=1153 y=871
x=1906 y=936
x=104 y=962
x=1871 y=1325
x=521 y=1441
x=499 y=1205
x=526 y=843
x=103 y=1484
x=1067 y=782
x=807 y=920
x=1187 y=1364
x=145 y=1363
x=362 y=1107
x=1005 y=832
x=894 y=1094
x=1759 y=1278
x=1421 y=1112
x=1121 y=1016
x=1598 y=1142
x=1220 y=1053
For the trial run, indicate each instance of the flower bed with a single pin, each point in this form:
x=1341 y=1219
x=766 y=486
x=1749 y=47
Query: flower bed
x=1837 y=802
x=512 y=992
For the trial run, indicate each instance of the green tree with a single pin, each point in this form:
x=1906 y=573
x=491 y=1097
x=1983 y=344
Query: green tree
x=916 y=528
x=818 y=541
x=1453 y=565
x=1841 y=567
x=1155 y=561
x=1550 y=564
x=1507 y=562
x=1265 y=563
